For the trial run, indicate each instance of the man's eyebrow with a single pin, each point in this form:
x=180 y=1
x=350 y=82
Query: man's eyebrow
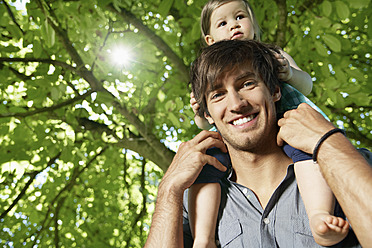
x=216 y=86
x=245 y=75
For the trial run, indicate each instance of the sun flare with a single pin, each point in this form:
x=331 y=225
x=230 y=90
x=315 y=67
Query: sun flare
x=121 y=55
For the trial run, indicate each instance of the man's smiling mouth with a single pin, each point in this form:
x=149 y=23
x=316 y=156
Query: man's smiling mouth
x=244 y=120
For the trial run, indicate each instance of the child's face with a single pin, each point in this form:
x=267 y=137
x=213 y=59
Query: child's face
x=230 y=21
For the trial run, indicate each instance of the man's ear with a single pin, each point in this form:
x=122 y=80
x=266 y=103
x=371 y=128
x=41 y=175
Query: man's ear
x=277 y=94
x=209 y=118
x=209 y=40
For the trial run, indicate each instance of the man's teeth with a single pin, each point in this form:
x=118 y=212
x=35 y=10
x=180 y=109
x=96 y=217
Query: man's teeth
x=243 y=120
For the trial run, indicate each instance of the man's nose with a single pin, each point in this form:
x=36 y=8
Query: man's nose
x=237 y=102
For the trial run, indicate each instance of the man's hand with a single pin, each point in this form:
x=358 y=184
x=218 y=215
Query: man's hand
x=166 y=228
x=190 y=159
x=302 y=128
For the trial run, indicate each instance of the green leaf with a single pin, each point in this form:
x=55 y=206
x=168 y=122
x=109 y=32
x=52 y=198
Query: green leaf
x=37 y=49
x=172 y=117
x=321 y=49
x=340 y=75
x=359 y=3
x=195 y=33
x=48 y=33
x=357 y=74
x=326 y=8
x=332 y=96
x=332 y=83
x=164 y=7
x=161 y=96
x=332 y=42
x=105 y=97
x=169 y=105
x=55 y=94
x=360 y=98
x=342 y=10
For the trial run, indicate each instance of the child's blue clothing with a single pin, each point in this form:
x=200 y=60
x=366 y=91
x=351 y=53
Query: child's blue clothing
x=290 y=99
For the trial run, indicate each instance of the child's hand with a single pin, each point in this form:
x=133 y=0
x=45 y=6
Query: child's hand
x=285 y=72
x=201 y=122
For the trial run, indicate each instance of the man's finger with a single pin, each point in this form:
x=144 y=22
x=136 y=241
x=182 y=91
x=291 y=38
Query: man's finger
x=203 y=135
x=210 y=142
x=215 y=163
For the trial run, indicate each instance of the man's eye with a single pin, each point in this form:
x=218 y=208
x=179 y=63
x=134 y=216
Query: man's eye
x=248 y=84
x=216 y=95
x=221 y=24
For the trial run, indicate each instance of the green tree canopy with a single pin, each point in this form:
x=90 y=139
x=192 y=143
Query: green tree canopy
x=87 y=131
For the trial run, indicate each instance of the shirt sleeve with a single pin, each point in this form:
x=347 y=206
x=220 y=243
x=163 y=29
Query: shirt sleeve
x=295 y=154
x=366 y=154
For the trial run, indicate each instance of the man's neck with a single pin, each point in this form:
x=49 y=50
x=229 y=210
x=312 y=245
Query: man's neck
x=261 y=171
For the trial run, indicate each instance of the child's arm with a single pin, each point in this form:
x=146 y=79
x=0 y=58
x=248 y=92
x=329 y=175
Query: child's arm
x=292 y=74
x=204 y=200
x=201 y=122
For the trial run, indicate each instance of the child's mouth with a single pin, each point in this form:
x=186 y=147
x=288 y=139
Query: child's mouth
x=237 y=35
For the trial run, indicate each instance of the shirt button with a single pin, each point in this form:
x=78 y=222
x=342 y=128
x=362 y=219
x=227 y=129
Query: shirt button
x=266 y=221
x=245 y=191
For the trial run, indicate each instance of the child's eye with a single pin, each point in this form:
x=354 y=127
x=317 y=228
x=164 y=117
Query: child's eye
x=239 y=17
x=221 y=24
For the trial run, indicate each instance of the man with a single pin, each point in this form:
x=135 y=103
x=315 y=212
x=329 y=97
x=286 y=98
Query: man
x=236 y=86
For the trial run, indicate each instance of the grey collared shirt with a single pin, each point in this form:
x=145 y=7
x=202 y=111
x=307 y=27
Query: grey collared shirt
x=242 y=222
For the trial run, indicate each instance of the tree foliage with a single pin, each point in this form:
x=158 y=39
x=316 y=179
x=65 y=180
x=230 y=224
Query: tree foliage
x=85 y=141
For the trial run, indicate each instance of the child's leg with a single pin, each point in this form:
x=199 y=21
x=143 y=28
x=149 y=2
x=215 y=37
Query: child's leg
x=204 y=201
x=319 y=203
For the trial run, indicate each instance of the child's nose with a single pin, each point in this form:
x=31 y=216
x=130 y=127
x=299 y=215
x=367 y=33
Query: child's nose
x=235 y=25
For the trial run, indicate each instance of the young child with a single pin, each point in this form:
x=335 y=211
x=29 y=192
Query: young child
x=234 y=19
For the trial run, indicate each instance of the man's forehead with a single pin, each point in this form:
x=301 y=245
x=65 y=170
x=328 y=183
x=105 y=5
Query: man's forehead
x=235 y=74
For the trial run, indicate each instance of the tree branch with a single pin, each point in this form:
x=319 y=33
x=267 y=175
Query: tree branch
x=137 y=144
x=165 y=154
x=23 y=191
x=12 y=16
x=355 y=134
x=63 y=36
x=308 y=3
x=142 y=189
x=21 y=76
x=37 y=60
x=47 y=109
x=282 y=23
x=76 y=173
x=56 y=217
x=158 y=41
x=102 y=46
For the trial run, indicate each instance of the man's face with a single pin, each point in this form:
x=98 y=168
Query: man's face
x=243 y=109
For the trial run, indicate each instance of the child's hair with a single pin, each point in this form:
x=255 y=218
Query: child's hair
x=228 y=55
x=205 y=20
